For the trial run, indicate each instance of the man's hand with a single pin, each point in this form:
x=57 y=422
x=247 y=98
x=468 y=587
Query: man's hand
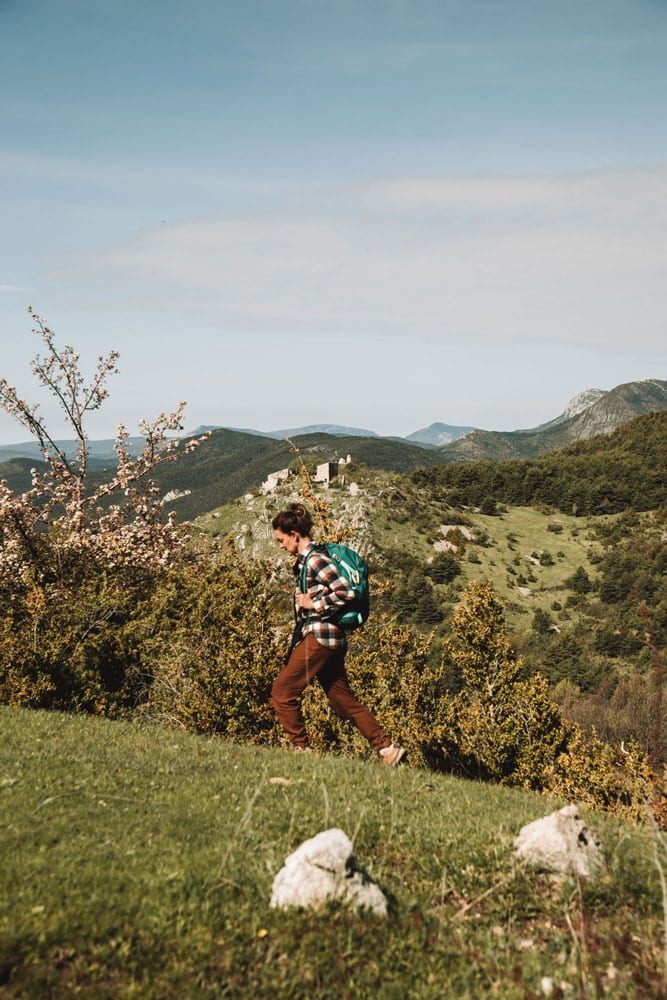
x=304 y=601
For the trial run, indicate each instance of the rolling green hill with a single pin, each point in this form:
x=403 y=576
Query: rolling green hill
x=232 y=463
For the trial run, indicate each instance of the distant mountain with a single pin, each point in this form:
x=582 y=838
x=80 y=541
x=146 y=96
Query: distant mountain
x=603 y=415
x=591 y=412
x=438 y=434
x=335 y=429
x=101 y=453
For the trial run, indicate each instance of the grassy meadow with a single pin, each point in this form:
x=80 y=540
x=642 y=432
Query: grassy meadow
x=138 y=862
x=520 y=535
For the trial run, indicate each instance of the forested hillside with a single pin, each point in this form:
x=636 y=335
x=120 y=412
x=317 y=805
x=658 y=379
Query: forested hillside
x=232 y=463
x=603 y=475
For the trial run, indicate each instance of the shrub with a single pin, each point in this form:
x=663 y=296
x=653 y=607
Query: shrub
x=77 y=564
x=600 y=776
x=73 y=645
x=580 y=581
x=215 y=645
x=488 y=507
x=541 y=622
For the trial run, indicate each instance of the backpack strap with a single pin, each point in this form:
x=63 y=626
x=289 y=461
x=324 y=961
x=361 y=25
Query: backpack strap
x=303 y=574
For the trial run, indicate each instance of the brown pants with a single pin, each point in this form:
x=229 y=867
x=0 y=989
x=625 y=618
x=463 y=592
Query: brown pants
x=308 y=660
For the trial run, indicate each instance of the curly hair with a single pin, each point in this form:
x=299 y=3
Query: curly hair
x=295 y=518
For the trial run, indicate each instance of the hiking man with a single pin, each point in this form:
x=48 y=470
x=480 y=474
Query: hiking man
x=319 y=645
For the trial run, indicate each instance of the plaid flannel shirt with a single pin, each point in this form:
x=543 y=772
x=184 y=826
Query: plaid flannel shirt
x=329 y=591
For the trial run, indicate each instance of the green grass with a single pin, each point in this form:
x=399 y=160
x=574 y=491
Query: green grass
x=516 y=535
x=138 y=862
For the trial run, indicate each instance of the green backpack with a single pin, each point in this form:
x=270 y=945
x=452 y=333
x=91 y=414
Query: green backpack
x=353 y=568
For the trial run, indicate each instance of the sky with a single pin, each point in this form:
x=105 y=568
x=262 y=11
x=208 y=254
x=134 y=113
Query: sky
x=373 y=213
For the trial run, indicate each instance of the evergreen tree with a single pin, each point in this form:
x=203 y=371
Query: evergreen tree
x=444 y=568
x=502 y=726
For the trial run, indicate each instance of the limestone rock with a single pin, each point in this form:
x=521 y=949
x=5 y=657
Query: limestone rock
x=561 y=843
x=322 y=869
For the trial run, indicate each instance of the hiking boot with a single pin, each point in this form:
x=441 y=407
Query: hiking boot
x=391 y=755
x=302 y=749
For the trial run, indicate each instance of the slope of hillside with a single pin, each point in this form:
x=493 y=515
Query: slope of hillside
x=226 y=466
x=389 y=454
x=139 y=862
x=401 y=526
x=230 y=464
x=576 y=405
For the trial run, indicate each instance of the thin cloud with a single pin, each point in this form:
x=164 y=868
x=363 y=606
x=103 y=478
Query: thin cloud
x=121 y=173
x=575 y=259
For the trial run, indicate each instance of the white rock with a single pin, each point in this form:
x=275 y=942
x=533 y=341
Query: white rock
x=561 y=843
x=442 y=546
x=323 y=869
x=174 y=495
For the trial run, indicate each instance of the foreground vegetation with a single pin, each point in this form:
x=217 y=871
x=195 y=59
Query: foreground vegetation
x=138 y=862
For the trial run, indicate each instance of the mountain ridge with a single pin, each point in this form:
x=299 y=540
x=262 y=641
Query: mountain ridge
x=610 y=408
x=607 y=412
